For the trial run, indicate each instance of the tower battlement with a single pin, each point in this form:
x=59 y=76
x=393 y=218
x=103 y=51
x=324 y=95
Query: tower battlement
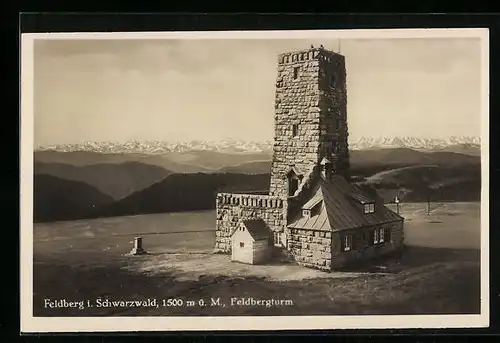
x=232 y=208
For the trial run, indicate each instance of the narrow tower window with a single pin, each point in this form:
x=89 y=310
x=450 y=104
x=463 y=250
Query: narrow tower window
x=295 y=72
x=334 y=146
x=293 y=185
x=295 y=130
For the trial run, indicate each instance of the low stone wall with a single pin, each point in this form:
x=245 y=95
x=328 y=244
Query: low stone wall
x=231 y=208
x=311 y=248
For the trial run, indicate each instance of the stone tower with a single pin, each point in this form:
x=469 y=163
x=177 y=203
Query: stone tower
x=310 y=118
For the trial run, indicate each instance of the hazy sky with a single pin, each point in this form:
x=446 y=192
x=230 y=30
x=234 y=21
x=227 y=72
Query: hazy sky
x=118 y=90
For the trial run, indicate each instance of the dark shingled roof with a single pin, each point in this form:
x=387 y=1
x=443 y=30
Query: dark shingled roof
x=257 y=228
x=342 y=207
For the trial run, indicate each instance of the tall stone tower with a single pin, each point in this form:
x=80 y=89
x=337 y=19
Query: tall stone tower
x=310 y=118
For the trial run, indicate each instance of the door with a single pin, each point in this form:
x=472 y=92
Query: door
x=242 y=251
x=283 y=240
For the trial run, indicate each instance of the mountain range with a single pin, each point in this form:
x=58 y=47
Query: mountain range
x=460 y=144
x=116 y=180
x=205 y=161
x=162 y=147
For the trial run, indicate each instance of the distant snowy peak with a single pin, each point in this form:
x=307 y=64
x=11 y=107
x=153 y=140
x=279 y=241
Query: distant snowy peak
x=160 y=147
x=242 y=146
x=414 y=142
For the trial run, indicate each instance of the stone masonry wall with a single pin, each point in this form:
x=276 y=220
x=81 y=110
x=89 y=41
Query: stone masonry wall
x=231 y=208
x=297 y=103
x=311 y=248
x=307 y=107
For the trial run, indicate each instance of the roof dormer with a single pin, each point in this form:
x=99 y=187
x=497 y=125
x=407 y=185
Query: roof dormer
x=369 y=208
x=311 y=207
x=326 y=168
x=367 y=203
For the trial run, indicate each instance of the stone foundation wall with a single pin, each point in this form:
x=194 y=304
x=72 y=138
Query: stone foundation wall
x=311 y=248
x=231 y=208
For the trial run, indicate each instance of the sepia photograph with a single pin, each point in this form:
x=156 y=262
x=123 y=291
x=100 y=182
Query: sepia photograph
x=254 y=180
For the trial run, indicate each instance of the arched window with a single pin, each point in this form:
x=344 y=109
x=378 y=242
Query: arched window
x=293 y=179
x=293 y=185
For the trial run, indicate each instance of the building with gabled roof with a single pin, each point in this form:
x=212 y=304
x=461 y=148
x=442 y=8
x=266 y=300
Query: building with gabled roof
x=341 y=206
x=347 y=221
x=313 y=210
x=250 y=242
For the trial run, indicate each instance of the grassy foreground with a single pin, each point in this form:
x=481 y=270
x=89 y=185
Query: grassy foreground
x=84 y=261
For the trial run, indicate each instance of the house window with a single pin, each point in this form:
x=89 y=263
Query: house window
x=347 y=243
x=306 y=213
x=277 y=238
x=295 y=130
x=242 y=245
x=369 y=208
x=295 y=73
x=381 y=236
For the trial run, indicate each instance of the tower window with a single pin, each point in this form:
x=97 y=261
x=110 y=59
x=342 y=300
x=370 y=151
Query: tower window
x=331 y=148
x=338 y=123
x=295 y=72
x=294 y=185
x=295 y=130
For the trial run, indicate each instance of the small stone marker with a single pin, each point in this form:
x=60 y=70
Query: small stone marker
x=138 y=250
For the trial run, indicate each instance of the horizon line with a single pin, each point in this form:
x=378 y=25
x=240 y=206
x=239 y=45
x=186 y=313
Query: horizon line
x=231 y=139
